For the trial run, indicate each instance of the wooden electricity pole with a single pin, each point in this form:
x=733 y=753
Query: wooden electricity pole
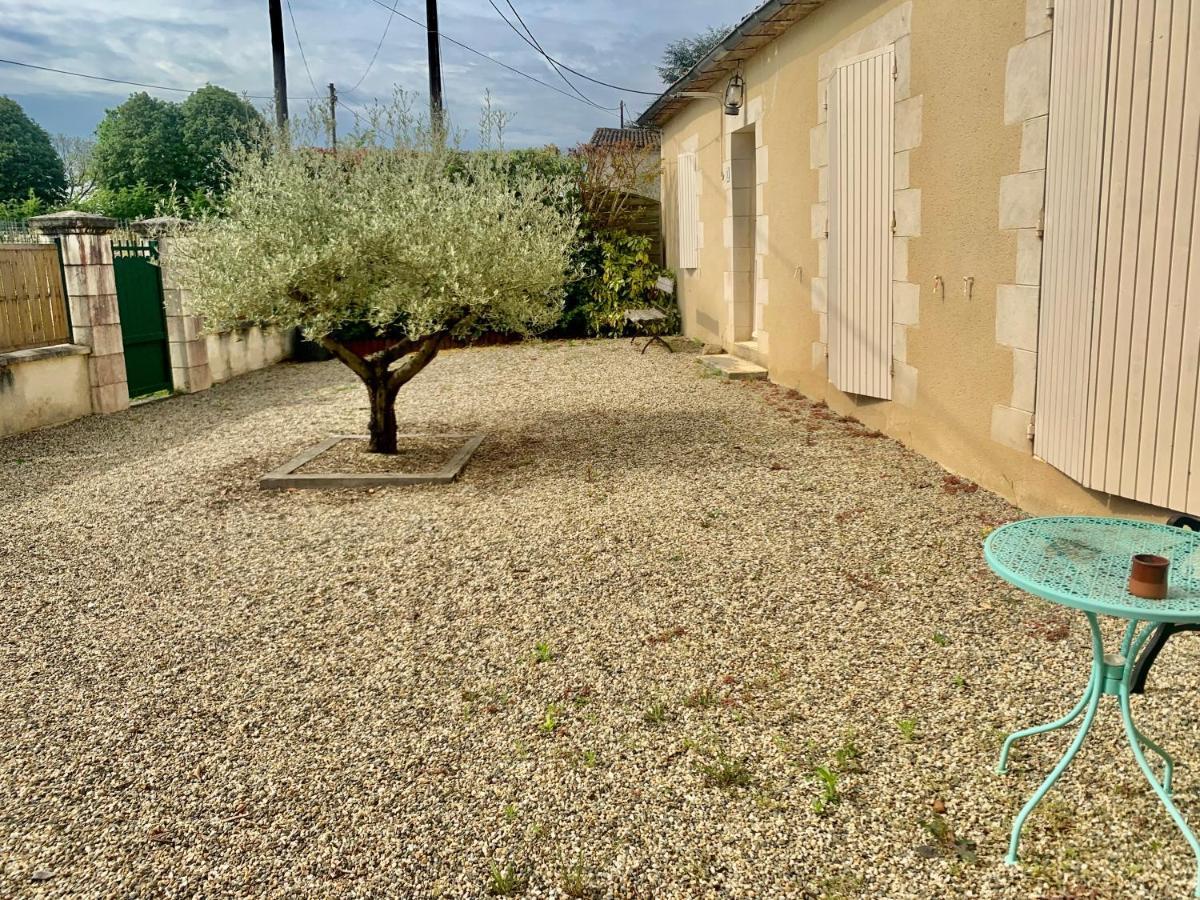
x=281 y=110
x=436 y=109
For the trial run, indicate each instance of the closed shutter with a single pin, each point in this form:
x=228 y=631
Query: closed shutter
x=861 y=96
x=1140 y=322
x=688 y=195
x=1076 y=138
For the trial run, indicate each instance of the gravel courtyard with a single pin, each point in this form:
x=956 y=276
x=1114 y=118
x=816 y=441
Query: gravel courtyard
x=669 y=636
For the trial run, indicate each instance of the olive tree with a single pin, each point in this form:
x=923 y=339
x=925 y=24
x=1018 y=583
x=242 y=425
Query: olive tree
x=395 y=236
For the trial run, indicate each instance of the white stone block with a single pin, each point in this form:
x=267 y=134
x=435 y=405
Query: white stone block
x=903 y=49
x=1017 y=316
x=906 y=303
x=900 y=259
x=819 y=219
x=1010 y=427
x=822 y=258
x=904 y=384
x=1027 y=80
x=1033 y=143
x=823 y=184
x=900 y=342
x=1037 y=17
x=823 y=328
x=907 y=206
x=908 y=123
x=760 y=164
x=819 y=288
x=1021 y=198
x=818 y=146
x=1024 y=379
x=761 y=231
x=900 y=175
x=1029 y=256
x=754 y=109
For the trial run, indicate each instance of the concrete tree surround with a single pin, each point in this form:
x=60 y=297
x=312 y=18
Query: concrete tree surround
x=86 y=246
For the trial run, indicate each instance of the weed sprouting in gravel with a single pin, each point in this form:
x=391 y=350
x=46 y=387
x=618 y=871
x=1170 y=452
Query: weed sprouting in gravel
x=702 y=698
x=830 y=796
x=940 y=639
x=510 y=812
x=947 y=843
x=846 y=756
x=908 y=729
x=656 y=714
x=590 y=759
x=724 y=771
x=542 y=653
x=506 y=881
x=551 y=719
x=575 y=882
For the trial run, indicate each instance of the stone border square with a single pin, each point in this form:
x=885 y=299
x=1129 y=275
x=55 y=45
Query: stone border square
x=288 y=476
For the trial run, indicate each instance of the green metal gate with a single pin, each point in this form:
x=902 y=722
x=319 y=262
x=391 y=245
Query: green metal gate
x=143 y=318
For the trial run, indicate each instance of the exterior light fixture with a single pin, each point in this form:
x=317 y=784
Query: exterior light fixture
x=735 y=94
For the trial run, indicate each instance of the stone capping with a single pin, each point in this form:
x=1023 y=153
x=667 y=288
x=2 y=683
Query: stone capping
x=893 y=27
x=33 y=354
x=1022 y=197
x=73 y=222
x=286 y=476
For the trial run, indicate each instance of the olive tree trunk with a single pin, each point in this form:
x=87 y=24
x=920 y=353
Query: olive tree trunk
x=383 y=381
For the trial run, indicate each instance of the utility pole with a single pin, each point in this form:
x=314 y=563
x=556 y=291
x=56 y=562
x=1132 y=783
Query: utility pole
x=332 y=116
x=436 y=109
x=281 y=110
x=622 y=114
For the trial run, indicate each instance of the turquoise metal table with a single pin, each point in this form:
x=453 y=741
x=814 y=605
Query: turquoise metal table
x=1083 y=562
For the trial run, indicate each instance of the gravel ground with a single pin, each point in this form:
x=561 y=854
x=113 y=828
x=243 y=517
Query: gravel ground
x=613 y=659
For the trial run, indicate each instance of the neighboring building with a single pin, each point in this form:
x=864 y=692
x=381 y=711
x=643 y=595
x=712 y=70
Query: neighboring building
x=646 y=141
x=987 y=251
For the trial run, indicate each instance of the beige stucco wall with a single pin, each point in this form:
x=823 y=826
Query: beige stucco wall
x=37 y=389
x=233 y=353
x=956 y=372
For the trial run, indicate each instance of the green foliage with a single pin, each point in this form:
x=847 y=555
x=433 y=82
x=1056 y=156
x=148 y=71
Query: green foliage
x=138 y=201
x=29 y=165
x=908 y=729
x=655 y=715
x=722 y=770
x=141 y=142
x=213 y=119
x=19 y=210
x=551 y=719
x=506 y=881
x=618 y=275
x=829 y=790
x=680 y=55
x=542 y=652
x=386 y=235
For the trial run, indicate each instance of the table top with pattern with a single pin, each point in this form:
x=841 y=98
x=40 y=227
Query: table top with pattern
x=1083 y=562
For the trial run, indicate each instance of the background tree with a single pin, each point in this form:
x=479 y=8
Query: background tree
x=679 y=56
x=141 y=142
x=76 y=156
x=399 y=239
x=213 y=119
x=28 y=163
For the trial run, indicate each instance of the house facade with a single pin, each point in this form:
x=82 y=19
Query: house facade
x=972 y=225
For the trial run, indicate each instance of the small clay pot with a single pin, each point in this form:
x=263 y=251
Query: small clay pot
x=1148 y=576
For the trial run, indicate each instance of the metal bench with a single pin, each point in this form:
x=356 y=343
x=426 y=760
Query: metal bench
x=1163 y=632
x=647 y=323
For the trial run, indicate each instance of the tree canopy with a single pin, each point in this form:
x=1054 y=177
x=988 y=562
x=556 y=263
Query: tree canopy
x=680 y=55
x=28 y=162
x=397 y=238
x=167 y=147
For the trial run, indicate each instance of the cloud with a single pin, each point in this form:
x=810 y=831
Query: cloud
x=227 y=42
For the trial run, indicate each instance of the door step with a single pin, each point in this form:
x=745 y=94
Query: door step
x=732 y=367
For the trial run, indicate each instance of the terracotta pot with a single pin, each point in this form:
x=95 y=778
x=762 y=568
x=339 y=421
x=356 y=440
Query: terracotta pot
x=1148 y=576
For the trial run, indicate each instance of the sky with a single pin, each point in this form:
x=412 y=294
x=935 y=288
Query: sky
x=227 y=42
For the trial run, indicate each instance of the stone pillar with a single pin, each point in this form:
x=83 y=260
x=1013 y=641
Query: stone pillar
x=86 y=246
x=190 y=370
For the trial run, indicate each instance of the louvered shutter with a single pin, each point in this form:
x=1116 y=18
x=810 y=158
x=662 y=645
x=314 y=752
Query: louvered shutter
x=688 y=196
x=861 y=97
x=1133 y=339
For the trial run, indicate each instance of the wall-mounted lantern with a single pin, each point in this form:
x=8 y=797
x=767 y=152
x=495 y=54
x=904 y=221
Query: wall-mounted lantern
x=735 y=94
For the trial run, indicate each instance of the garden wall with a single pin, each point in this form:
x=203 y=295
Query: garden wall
x=233 y=353
x=43 y=386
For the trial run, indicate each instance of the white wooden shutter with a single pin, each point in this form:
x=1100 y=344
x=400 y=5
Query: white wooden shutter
x=1134 y=433
x=688 y=196
x=861 y=118
x=1075 y=145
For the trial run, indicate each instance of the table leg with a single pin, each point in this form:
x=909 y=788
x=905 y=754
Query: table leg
x=1137 y=739
x=1090 y=700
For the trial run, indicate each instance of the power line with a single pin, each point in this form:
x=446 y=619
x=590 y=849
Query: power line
x=141 y=84
x=556 y=63
x=375 y=55
x=483 y=55
x=533 y=42
x=300 y=44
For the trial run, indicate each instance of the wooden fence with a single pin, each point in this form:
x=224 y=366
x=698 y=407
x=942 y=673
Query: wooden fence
x=33 y=304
